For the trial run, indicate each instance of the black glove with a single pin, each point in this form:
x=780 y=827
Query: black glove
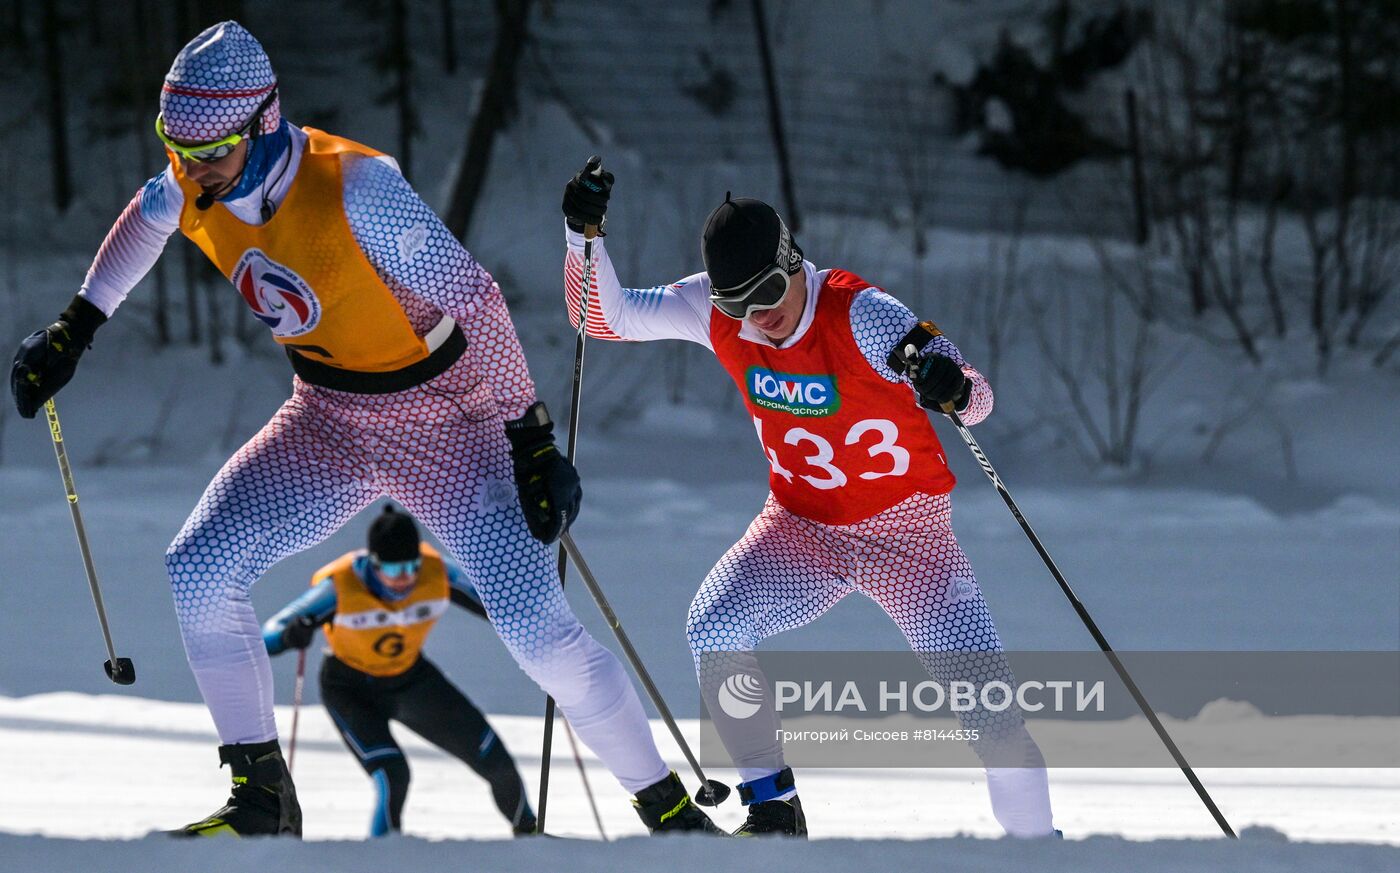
x=299 y=632
x=586 y=196
x=47 y=358
x=547 y=483
x=938 y=380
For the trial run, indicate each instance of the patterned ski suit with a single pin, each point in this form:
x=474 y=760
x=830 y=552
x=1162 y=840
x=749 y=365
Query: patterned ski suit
x=368 y=290
x=859 y=502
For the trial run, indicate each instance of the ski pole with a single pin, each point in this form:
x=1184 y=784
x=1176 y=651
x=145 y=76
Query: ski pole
x=587 y=786
x=911 y=356
x=711 y=792
x=296 y=709
x=119 y=670
x=595 y=167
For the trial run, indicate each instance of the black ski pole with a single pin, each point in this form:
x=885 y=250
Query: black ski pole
x=594 y=166
x=712 y=792
x=119 y=670
x=911 y=356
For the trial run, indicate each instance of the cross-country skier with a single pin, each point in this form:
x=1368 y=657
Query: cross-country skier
x=859 y=484
x=410 y=382
x=378 y=606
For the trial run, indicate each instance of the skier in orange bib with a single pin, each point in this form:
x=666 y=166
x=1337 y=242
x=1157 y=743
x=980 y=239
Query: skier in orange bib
x=378 y=606
x=410 y=382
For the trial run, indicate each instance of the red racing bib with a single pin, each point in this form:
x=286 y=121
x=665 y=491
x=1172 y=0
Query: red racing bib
x=843 y=443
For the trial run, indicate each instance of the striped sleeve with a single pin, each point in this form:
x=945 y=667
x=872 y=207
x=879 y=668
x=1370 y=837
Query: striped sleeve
x=134 y=243
x=680 y=310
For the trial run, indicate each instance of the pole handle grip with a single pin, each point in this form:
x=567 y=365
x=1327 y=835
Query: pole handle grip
x=594 y=167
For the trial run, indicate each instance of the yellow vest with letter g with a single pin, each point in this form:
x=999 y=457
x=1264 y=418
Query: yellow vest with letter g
x=383 y=638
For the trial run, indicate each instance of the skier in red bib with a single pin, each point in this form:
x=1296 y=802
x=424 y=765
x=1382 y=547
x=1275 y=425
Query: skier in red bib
x=859 y=482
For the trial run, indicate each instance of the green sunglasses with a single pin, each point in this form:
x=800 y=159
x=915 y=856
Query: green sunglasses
x=220 y=148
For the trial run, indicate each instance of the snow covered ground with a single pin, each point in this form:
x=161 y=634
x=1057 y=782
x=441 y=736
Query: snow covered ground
x=1185 y=556
x=1159 y=568
x=1256 y=853
x=1285 y=537
x=112 y=768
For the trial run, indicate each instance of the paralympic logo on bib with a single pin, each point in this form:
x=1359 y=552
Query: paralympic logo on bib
x=805 y=395
x=278 y=297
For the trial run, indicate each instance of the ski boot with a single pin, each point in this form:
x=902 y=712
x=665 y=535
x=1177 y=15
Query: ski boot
x=767 y=814
x=526 y=827
x=263 y=800
x=666 y=807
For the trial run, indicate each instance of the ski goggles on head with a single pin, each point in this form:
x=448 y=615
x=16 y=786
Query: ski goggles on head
x=397 y=568
x=203 y=153
x=764 y=290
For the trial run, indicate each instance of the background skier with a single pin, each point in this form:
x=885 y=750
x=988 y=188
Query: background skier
x=378 y=606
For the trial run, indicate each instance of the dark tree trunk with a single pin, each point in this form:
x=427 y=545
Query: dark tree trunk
x=1266 y=263
x=93 y=15
x=186 y=21
x=775 y=115
x=17 y=34
x=161 y=307
x=495 y=109
x=216 y=325
x=188 y=256
x=449 y=38
x=403 y=97
x=1141 y=228
x=57 y=108
x=1346 y=194
x=138 y=67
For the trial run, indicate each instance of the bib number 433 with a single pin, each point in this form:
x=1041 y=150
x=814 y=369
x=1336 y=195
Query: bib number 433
x=885 y=442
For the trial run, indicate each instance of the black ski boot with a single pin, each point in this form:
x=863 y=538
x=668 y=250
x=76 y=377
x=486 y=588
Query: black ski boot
x=263 y=800
x=774 y=817
x=526 y=827
x=768 y=815
x=666 y=808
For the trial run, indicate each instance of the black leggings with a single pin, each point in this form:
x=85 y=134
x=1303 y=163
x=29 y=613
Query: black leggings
x=422 y=699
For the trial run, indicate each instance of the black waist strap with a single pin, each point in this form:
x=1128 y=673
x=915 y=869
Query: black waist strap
x=357 y=382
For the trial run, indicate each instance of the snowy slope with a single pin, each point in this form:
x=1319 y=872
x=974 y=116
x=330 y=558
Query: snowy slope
x=696 y=855
x=81 y=754
x=1158 y=569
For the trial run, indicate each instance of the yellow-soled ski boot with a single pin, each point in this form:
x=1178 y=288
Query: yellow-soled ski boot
x=666 y=807
x=263 y=801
